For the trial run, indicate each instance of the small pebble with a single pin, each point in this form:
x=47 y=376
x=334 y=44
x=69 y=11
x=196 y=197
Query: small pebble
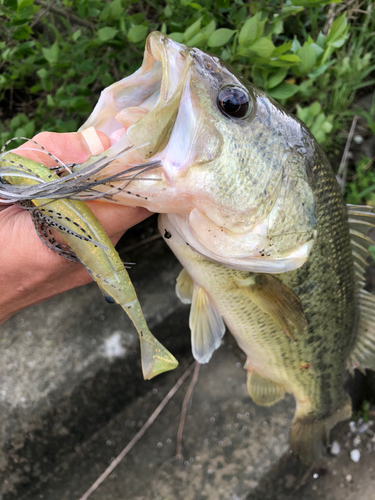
x=364 y=428
x=348 y=477
x=335 y=448
x=356 y=441
x=352 y=426
x=355 y=455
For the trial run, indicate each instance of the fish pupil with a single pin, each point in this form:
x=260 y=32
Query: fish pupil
x=234 y=102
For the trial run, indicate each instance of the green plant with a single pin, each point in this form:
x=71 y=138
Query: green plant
x=361 y=187
x=319 y=124
x=55 y=57
x=364 y=412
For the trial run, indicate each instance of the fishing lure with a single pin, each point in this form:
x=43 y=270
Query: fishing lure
x=26 y=182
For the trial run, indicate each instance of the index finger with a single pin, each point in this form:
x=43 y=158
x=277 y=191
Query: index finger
x=70 y=147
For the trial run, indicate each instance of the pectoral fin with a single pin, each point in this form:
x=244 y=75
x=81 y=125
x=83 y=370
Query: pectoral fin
x=206 y=325
x=263 y=391
x=184 y=287
x=276 y=300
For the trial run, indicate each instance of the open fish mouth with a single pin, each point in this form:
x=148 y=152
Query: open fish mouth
x=144 y=106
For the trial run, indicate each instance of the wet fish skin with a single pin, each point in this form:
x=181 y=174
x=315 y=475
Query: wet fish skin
x=245 y=197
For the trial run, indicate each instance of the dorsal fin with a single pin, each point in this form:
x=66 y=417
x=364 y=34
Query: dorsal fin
x=363 y=354
x=361 y=223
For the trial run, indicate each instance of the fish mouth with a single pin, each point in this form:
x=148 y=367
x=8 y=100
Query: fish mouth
x=141 y=110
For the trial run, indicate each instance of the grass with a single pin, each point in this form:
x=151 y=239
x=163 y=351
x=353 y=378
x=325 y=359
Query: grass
x=313 y=56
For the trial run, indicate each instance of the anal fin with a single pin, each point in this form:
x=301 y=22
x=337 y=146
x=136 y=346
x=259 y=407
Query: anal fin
x=263 y=391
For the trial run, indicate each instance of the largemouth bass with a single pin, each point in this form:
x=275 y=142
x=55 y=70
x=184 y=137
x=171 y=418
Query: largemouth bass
x=253 y=211
x=255 y=215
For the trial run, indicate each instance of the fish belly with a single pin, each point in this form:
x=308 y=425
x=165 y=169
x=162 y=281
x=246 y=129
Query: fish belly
x=275 y=362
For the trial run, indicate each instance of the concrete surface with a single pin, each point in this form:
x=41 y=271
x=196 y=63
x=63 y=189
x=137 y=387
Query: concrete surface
x=229 y=443
x=72 y=396
x=68 y=365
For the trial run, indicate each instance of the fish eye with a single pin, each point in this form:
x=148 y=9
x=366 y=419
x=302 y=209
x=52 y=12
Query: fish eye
x=234 y=101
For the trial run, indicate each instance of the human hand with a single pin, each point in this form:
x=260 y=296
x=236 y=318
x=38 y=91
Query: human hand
x=29 y=271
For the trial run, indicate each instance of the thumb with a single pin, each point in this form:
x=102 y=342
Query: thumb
x=73 y=147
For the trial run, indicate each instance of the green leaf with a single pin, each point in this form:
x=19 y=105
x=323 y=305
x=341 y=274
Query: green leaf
x=295 y=45
x=220 y=37
x=107 y=33
x=317 y=49
x=321 y=40
x=42 y=73
x=192 y=30
x=76 y=35
x=260 y=28
x=248 y=33
x=106 y=79
x=195 y=6
x=168 y=11
x=283 y=91
x=50 y=101
x=338 y=28
x=277 y=78
x=302 y=113
x=293 y=58
x=202 y=36
x=185 y=2
x=22 y=32
x=263 y=47
x=315 y=108
x=320 y=69
x=12 y=4
x=52 y=54
x=111 y=11
x=177 y=37
x=26 y=9
x=137 y=33
x=308 y=59
x=281 y=49
x=291 y=10
x=339 y=43
x=278 y=27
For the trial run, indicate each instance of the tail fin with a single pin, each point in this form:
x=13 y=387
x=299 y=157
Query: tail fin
x=309 y=438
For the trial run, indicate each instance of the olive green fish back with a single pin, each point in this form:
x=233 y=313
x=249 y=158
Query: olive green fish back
x=325 y=285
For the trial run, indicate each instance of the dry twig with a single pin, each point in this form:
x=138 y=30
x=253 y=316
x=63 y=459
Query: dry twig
x=184 y=409
x=139 y=434
x=341 y=175
x=64 y=13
